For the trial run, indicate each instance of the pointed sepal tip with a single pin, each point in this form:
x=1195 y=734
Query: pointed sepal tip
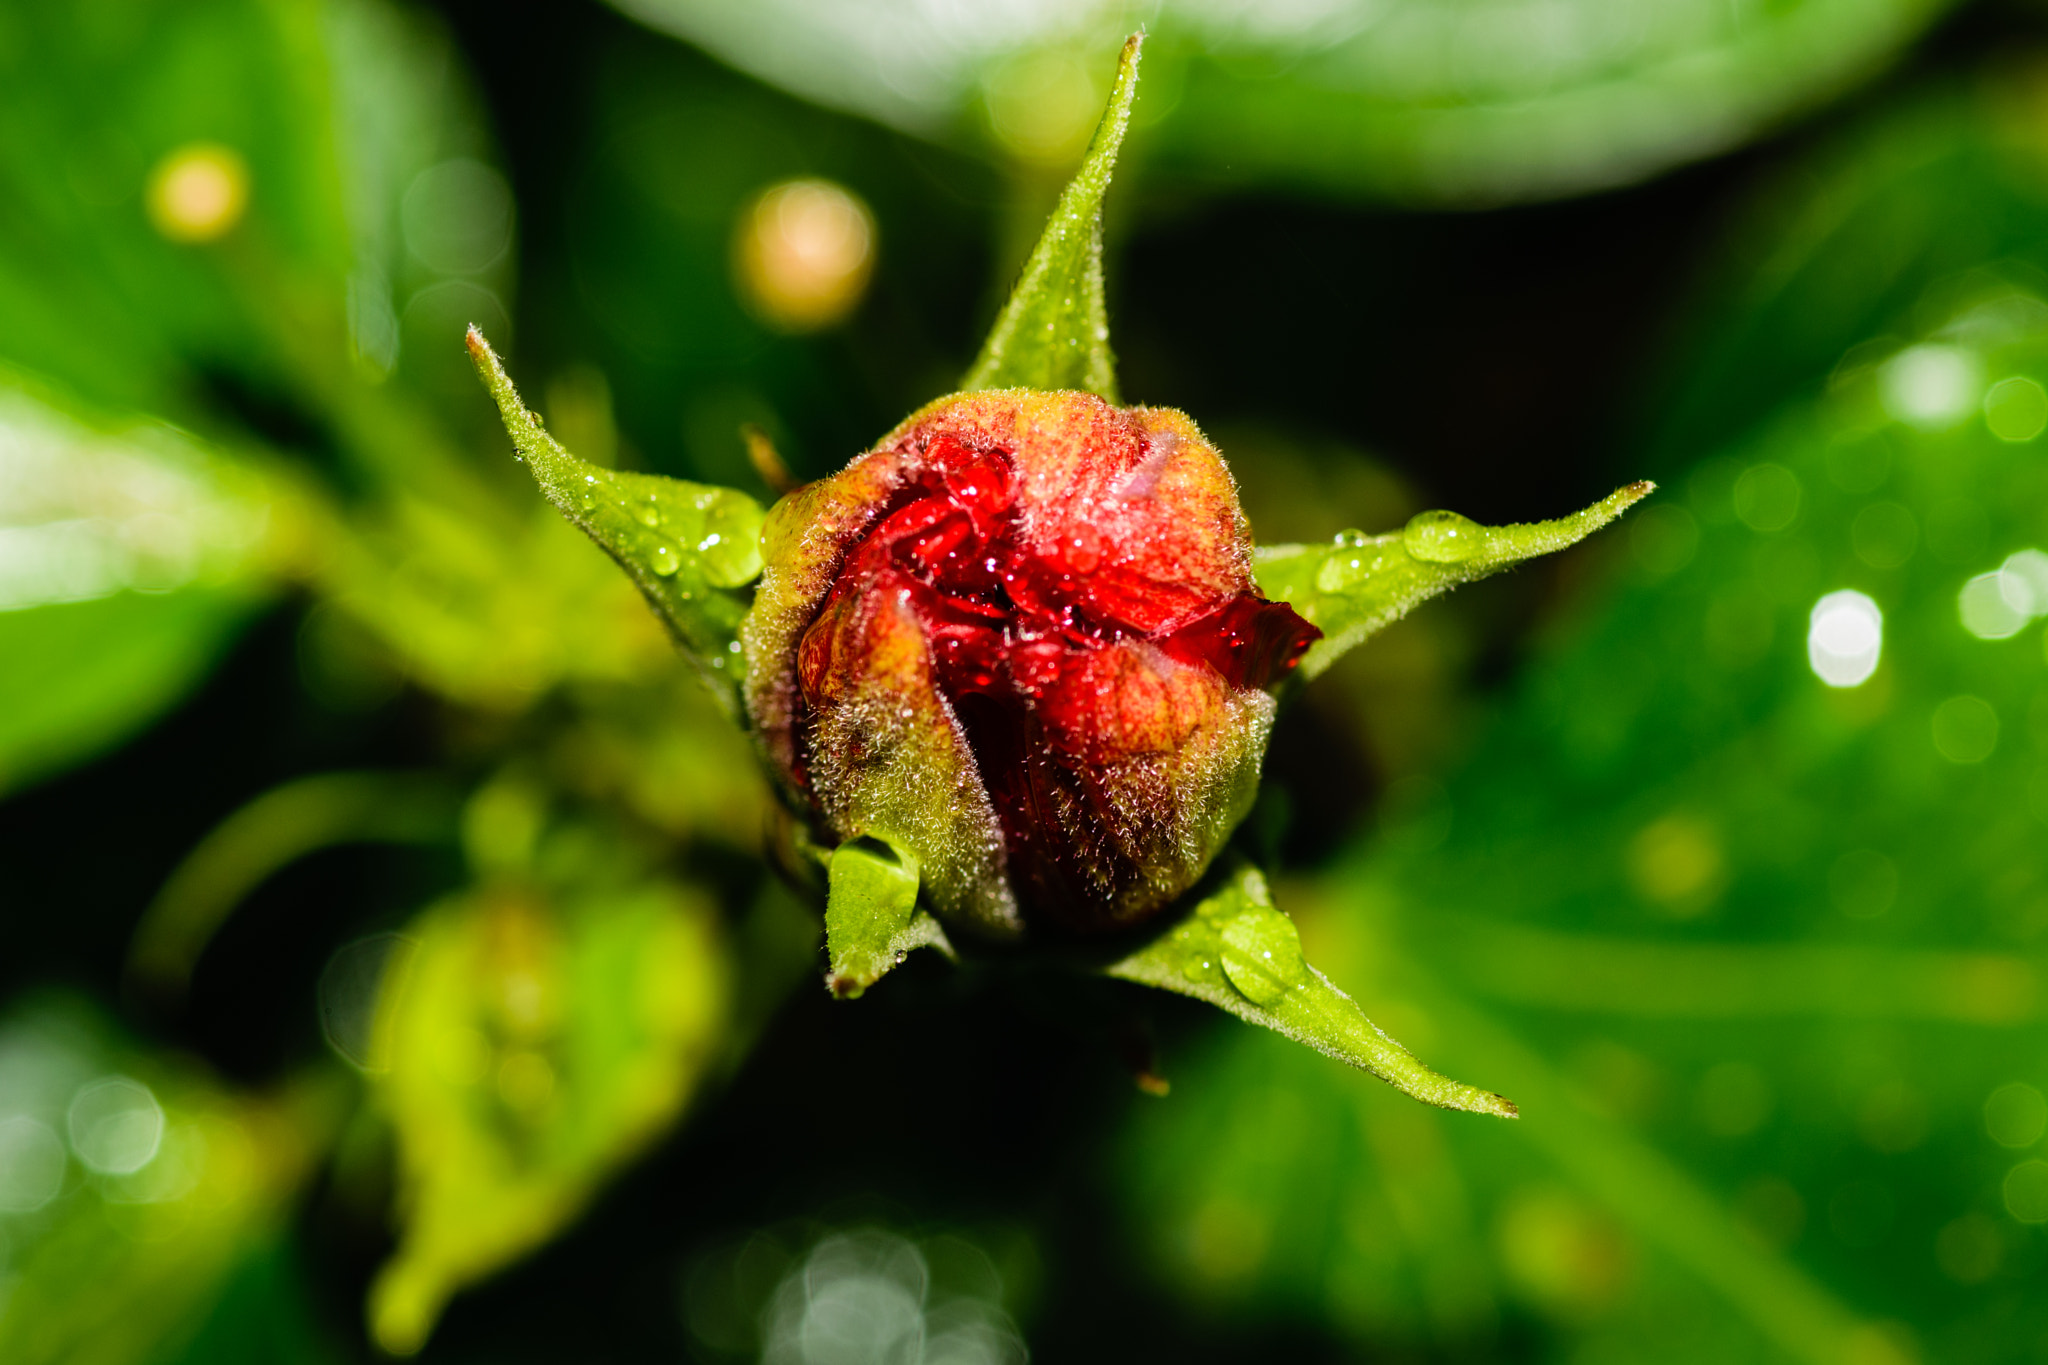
x=691 y=548
x=1053 y=333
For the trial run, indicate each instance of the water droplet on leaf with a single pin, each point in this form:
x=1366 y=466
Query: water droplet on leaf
x=1348 y=565
x=1443 y=537
x=1262 y=955
x=664 y=560
x=730 y=550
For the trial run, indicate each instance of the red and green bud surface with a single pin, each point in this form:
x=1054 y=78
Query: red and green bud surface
x=1021 y=640
x=1015 y=667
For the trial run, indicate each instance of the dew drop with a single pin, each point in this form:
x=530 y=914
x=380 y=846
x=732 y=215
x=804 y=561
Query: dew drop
x=665 y=560
x=1443 y=537
x=1262 y=955
x=1348 y=565
x=646 y=513
x=730 y=549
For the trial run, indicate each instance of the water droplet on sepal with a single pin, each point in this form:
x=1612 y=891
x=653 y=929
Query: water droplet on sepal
x=1262 y=955
x=1348 y=564
x=1443 y=537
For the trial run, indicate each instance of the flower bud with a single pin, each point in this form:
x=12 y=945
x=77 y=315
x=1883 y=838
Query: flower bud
x=1019 y=641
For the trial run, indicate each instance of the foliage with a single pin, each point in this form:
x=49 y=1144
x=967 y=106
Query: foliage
x=332 y=757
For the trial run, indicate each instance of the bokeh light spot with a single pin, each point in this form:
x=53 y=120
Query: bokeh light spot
x=1965 y=729
x=2026 y=1191
x=457 y=217
x=802 y=253
x=2023 y=582
x=1767 y=497
x=1844 y=638
x=1678 y=862
x=858 y=1297
x=32 y=1164
x=1043 y=105
x=350 y=987
x=198 y=192
x=2016 y=409
x=1969 y=1249
x=2016 y=1115
x=1562 y=1255
x=1227 y=1239
x=116 y=1125
x=1930 y=387
x=1986 y=611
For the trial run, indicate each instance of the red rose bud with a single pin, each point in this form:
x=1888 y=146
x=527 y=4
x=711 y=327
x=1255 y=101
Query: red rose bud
x=1020 y=642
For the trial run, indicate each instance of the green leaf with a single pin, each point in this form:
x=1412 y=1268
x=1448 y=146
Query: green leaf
x=130 y=556
x=1238 y=951
x=1413 y=100
x=872 y=919
x=1054 y=331
x=270 y=832
x=689 y=546
x=1361 y=584
x=535 y=1045
x=1745 y=889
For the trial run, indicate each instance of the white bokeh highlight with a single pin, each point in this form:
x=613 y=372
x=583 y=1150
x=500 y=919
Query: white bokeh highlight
x=1844 y=638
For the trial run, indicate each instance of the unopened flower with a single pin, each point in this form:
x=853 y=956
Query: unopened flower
x=1020 y=640
x=1011 y=665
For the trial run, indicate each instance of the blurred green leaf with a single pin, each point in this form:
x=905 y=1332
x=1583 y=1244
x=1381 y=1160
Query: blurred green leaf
x=132 y=1189
x=277 y=828
x=1744 y=892
x=535 y=1044
x=265 y=1315
x=1361 y=584
x=1416 y=100
x=1054 y=331
x=130 y=556
x=689 y=547
x=1237 y=951
x=1848 y=251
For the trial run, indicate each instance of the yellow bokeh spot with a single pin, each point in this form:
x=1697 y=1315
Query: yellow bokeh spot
x=1042 y=106
x=198 y=192
x=1677 y=862
x=1227 y=1239
x=802 y=254
x=2016 y=409
x=1561 y=1255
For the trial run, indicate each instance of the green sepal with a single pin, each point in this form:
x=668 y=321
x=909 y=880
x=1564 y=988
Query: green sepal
x=1054 y=331
x=1241 y=953
x=872 y=918
x=1360 y=584
x=689 y=546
